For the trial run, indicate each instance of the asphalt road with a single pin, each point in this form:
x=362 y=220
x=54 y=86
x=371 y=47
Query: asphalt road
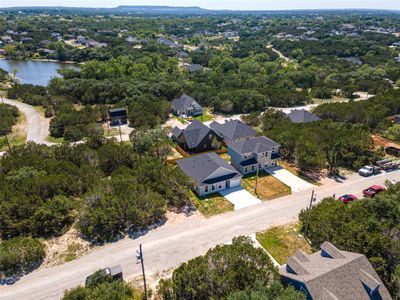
x=168 y=246
x=37 y=127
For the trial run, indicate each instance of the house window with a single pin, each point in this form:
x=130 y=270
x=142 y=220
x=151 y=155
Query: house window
x=206 y=189
x=205 y=146
x=252 y=168
x=245 y=170
x=245 y=157
x=213 y=187
x=210 y=136
x=259 y=166
x=220 y=186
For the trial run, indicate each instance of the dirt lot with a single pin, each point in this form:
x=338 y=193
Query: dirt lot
x=268 y=187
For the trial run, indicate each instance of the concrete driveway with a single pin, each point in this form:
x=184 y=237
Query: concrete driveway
x=296 y=183
x=239 y=197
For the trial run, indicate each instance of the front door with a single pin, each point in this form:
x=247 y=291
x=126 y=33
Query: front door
x=228 y=184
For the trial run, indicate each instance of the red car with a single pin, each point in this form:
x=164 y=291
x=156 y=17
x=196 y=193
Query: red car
x=347 y=198
x=373 y=190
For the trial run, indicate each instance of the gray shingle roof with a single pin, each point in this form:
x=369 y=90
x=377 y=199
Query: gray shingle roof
x=176 y=132
x=254 y=145
x=233 y=130
x=195 y=133
x=200 y=167
x=302 y=116
x=192 y=68
x=184 y=102
x=334 y=274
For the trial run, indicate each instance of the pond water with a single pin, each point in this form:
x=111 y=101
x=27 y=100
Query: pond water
x=35 y=71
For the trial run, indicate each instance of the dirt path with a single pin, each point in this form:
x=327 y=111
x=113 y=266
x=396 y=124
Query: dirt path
x=380 y=141
x=279 y=53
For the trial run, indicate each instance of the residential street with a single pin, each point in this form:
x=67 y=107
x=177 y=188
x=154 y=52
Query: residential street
x=37 y=126
x=169 y=246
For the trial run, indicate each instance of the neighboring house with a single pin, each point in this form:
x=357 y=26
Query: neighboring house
x=186 y=106
x=210 y=173
x=233 y=131
x=397 y=119
x=182 y=55
x=255 y=153
x=6 y=39
x=169 y=43
x=195 y=138
x=193 y=68
x=302 y=116
x=333 y=274
x=118 y=116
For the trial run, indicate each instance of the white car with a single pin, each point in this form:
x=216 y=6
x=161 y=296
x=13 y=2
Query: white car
x=368 y=170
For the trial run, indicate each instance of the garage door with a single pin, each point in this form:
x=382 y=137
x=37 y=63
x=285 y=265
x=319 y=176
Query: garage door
x=235 y=182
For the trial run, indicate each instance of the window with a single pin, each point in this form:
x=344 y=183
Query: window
x=252 y=168
x=213 y=187
x=205 y=146
x=206 y=189
x=220 y=186
x=245 y=170
x=210 y=136
x=245 y=157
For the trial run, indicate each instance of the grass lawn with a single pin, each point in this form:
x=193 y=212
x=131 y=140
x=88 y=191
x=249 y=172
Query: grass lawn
x=207 y=116
x=283 y=241
x=17 y=137
x=268 y=187
x=183 y=121
x=55 y=140
x=298 y=173
x=111 y=132
x=211 y=205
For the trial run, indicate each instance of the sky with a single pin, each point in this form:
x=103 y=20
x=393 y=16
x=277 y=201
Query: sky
x=218 y=4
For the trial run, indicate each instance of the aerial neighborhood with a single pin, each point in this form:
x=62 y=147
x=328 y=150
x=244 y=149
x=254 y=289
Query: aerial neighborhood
x=188 y=153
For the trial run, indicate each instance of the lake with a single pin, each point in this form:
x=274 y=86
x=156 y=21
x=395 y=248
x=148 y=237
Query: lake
x=34 y=71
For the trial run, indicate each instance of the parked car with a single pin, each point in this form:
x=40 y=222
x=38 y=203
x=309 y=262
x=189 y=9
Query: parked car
x=115 y=272
x=388 y=164
x=347 y=198
x=369 y=170
x=373 y=190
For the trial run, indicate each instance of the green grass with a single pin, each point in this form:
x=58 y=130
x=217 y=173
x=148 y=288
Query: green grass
x=268 y=187
x=206 y=116
x=71 y=252
x=211 y=205
x=55 y=140
x=282 y=241
x=180 y=119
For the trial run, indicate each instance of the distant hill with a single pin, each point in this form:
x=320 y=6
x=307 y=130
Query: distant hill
x=175 y=10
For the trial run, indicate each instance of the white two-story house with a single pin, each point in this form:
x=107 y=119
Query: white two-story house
x=257 y=152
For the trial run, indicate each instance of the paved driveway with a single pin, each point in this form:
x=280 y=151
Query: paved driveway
x=296 y=183
x=239 y=197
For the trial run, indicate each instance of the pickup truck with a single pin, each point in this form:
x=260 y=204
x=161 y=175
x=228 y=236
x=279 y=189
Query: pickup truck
x=373 y=190
x=369 y=170
x=115 y=272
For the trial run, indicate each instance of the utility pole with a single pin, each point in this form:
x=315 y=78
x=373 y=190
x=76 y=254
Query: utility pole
x=312 y=199
x=119 y=126
x=144 y=275
x=255 y=187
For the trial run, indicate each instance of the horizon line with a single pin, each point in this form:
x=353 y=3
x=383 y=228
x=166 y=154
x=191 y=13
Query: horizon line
x=198 y=7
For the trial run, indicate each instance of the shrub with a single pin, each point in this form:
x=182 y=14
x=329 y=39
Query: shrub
x=20 y=255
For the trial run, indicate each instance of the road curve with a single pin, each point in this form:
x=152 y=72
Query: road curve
x=37 y=127
x=168 y=246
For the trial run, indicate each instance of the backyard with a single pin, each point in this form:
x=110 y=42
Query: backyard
x=283 y=241
x=268 y=187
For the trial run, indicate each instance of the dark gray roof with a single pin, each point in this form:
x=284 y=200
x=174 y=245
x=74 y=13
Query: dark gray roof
x=302 y=116
x=233 y=130
x=334 y=274
x=200 y=167
x=176 y=132
x=194 y=68
x=254 y=145
x=195 y=133
x=184 y=102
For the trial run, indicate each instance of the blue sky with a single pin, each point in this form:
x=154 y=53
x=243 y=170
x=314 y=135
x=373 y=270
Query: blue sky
x=218 y=4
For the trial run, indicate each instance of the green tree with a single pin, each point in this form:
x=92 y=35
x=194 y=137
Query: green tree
x=20 y=255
